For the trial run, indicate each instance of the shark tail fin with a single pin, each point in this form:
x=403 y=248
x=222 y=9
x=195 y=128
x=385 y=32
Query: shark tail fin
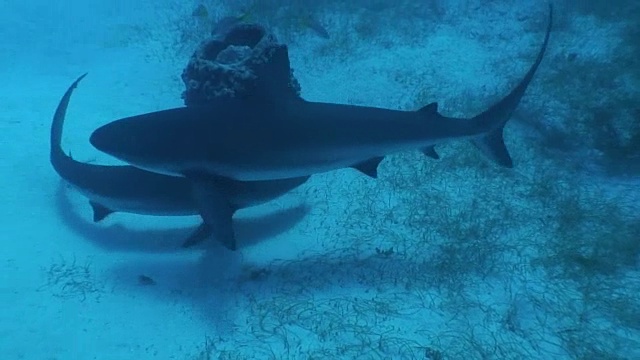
x=56 y=153
x=492 y=146
x=493 y=120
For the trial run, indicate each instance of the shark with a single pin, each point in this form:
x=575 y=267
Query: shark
x=276 y=136
x=128 y=189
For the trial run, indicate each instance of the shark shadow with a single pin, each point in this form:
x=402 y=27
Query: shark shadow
x=119 y=238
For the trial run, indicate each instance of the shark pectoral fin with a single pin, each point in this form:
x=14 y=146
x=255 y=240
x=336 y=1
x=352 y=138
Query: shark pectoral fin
x=430 y=151
x=369 y=167
x=100 y=212
x=202 y=232
x=215 y=209
x=492 y=146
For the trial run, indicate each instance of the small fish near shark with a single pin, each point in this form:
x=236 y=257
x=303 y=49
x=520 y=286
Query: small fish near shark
x=129 y=189
x=280 y=137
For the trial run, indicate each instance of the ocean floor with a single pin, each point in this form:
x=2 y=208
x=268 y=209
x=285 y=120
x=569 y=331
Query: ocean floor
x=436 y=259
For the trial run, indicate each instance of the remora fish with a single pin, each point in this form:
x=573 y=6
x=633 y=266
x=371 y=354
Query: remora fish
x=281 y=137
x=131 y=190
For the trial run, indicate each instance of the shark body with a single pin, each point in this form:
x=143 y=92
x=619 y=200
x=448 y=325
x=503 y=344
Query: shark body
x=284 y=137
x=132 y=190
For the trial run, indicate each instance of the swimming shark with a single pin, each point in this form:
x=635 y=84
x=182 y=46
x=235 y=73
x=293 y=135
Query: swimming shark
x=125 y=188
x=279 y=137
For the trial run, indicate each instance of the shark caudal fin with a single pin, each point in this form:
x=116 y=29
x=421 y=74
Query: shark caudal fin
x=495 y=118
x=57 y=125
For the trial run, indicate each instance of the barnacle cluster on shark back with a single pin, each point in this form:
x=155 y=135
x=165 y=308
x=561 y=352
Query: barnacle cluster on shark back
x=247 y=61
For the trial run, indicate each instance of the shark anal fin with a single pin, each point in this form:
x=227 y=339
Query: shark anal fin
x=100 y=212
x=215 y=209
x=200 y=234
x=428 y=110
x=369 y=167
x=430 y=151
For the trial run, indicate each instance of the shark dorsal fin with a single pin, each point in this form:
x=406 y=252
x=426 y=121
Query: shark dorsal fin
x=429 y=108
x=100 y=212
x=369 y=167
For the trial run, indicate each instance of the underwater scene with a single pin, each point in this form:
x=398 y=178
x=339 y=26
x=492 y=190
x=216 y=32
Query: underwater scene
x=364 y=179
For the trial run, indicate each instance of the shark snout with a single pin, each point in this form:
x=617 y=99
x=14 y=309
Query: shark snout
x=105 y=138
x=121 y=139
x=133 y=141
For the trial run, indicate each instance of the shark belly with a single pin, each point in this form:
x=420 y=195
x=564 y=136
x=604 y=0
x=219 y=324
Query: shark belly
x=281 y=166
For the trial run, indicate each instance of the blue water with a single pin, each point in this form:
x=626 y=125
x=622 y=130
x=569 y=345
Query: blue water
x=449 y=259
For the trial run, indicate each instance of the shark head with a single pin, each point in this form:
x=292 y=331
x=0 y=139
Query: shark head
x=133 y=140
x=119 y=138
x=107 y=139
